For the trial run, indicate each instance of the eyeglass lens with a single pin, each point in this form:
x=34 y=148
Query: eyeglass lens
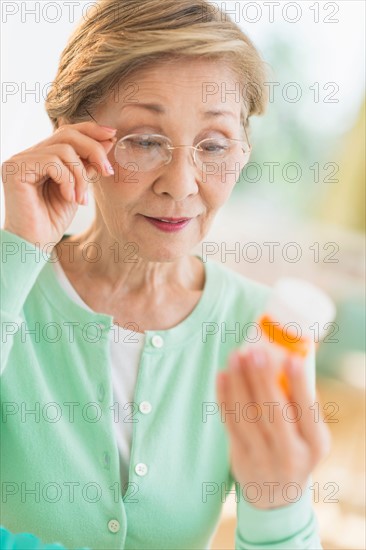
x=150 y=152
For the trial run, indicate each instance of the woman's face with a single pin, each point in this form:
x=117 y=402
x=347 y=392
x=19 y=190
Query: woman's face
x=177 y=190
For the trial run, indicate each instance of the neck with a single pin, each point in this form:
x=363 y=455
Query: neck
x=121 y=268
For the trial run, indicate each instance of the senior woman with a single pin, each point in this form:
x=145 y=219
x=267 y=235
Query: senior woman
x=118 y=427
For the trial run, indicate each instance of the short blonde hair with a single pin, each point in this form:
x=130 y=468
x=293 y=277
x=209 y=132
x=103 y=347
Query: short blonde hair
x=123 y=37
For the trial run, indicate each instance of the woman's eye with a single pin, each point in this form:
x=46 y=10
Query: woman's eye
x=145 y=144
x=214 y=147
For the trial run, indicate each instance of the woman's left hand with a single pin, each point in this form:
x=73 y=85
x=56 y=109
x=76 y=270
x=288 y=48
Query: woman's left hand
x=275 y=442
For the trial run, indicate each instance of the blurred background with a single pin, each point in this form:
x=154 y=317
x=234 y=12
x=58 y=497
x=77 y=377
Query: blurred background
x=303 y=191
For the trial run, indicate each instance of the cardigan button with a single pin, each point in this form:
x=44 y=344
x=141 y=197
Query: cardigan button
x=114 y=526
x=145 y=407
x=141 y=469
x=157 y=341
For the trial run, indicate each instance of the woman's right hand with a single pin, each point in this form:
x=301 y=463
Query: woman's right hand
x=40 y=182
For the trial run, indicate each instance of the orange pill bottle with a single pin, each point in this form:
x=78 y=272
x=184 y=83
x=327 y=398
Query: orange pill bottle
x=295 y=319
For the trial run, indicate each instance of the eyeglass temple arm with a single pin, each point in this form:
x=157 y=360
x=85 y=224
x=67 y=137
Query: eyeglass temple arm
x=91 y=116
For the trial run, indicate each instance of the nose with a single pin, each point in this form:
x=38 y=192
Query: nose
x=180 y=178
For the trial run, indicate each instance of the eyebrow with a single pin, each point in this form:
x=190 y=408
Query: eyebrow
x=160 y=110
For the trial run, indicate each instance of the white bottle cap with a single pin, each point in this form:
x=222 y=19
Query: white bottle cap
x=297 y=301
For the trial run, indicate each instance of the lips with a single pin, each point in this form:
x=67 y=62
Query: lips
x=168 y=225
x=169 y=220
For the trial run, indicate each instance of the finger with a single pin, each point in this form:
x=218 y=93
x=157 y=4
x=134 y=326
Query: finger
x=91 y=129
x=262 y=382
x=88 y=148
x=220 y=387
x=76 y=166
x=249 y=409
x=36 y=170
x=299 y=393
x=315 y=433
x=53 y=196
x=263 y=378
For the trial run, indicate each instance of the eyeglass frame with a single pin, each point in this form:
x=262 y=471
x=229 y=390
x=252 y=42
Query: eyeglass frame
x=195 y=147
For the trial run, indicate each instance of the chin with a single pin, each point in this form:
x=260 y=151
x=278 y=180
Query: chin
x=163 y=254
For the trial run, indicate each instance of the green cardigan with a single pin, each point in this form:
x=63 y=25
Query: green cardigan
x=59 y=457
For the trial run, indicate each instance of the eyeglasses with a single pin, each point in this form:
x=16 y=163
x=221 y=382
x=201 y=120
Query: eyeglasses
x=212 y=156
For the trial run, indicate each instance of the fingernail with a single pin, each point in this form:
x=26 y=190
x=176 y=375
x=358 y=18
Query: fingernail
x=86 y=198
x=109 y=168
x=74 y=196
x=109 y=128
x=258 y=357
